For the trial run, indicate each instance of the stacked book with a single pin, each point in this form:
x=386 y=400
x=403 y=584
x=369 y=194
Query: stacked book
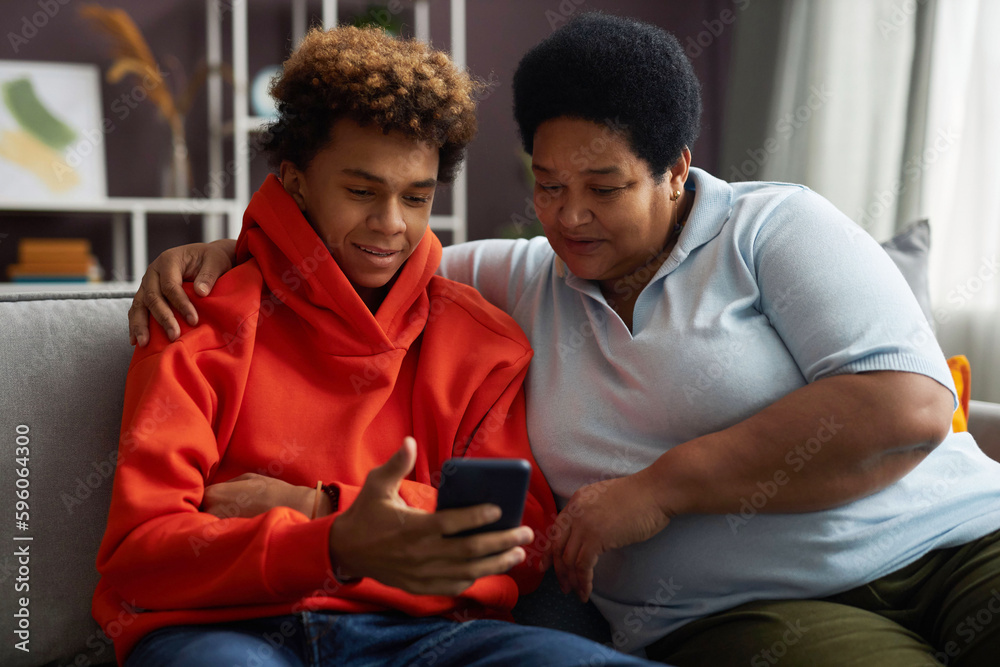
x=54 y=260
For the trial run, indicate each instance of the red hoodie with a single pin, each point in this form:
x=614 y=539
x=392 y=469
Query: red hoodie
x=290 y=375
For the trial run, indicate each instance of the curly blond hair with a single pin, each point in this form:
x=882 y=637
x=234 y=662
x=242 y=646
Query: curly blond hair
x=373 y=78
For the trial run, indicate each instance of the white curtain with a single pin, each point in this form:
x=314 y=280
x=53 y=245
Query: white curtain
x=891 y=109
x=840 y=103
x=962 y=185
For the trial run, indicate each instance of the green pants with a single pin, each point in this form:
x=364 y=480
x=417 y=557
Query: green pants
x=944 y=609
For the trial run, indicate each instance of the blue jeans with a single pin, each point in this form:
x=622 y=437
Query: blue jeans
x=320 y=639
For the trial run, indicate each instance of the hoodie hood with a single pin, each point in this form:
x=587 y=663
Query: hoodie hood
x=300 y=272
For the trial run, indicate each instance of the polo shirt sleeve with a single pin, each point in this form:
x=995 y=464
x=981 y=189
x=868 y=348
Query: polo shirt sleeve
x=499 y=269
x=835 y=297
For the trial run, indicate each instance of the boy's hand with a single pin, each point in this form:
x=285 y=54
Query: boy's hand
x=251 y=494
x=381 y=537
x=161 y=286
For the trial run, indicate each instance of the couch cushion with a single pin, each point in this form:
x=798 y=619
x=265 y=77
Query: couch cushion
x=63 y=361
x=910 y=251
x=984 y=425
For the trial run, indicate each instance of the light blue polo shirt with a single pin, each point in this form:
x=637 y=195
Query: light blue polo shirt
x=769 y=287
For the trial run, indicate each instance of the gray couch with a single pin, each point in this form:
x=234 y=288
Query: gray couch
x=63 y=360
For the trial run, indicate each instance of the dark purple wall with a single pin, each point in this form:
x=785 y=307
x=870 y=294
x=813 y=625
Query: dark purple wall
x=139 y=143
x=499 y=31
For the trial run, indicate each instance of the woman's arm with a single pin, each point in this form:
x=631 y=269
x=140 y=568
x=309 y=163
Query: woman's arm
x=497 y=268
x=824 y=445
x=161 y=286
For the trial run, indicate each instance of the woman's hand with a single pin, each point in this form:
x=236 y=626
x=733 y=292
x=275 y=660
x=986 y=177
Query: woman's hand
x=381 y=537
x=251 y=494
x=599 y=517
x=161 y=286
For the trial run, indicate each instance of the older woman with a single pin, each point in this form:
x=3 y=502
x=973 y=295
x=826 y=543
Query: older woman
x=734 y=395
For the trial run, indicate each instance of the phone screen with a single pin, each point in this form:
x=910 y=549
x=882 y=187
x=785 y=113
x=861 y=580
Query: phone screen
x=502 y=482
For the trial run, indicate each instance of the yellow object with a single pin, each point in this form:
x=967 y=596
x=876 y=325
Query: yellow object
x=31 y=250
x=54 y=258
x=82 y=268
x=134 y=57
x=25 y=150
x=961 y=373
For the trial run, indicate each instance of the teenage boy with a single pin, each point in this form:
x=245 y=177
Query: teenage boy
x=331 y=343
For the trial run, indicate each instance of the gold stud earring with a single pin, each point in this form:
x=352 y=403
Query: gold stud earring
x=676 y=195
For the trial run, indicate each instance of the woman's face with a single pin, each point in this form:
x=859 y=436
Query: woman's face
x=602 y=211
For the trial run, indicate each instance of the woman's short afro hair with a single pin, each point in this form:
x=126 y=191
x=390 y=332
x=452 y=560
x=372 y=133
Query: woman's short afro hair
x=373 y=78
x=631 y=76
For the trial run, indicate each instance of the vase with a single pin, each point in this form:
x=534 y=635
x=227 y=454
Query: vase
x=176 y=176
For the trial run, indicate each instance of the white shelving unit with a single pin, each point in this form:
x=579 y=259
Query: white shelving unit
x=245 y=125
x=221 y=216
x=128 y=221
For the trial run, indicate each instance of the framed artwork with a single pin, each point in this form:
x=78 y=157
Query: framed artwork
x=51 y=133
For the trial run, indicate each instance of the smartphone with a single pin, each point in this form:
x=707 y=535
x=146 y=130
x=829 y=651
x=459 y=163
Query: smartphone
x=501 y=482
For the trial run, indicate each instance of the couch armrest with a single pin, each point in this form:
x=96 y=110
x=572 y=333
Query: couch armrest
x=63 y=362
x=984 y=425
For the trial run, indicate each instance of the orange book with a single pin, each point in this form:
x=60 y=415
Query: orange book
x=78 y=268
x=31 y=250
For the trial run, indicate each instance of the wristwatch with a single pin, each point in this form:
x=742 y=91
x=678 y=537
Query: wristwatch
x=332 y=492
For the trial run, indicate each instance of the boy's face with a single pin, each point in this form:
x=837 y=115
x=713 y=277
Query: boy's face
x=368 y=195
